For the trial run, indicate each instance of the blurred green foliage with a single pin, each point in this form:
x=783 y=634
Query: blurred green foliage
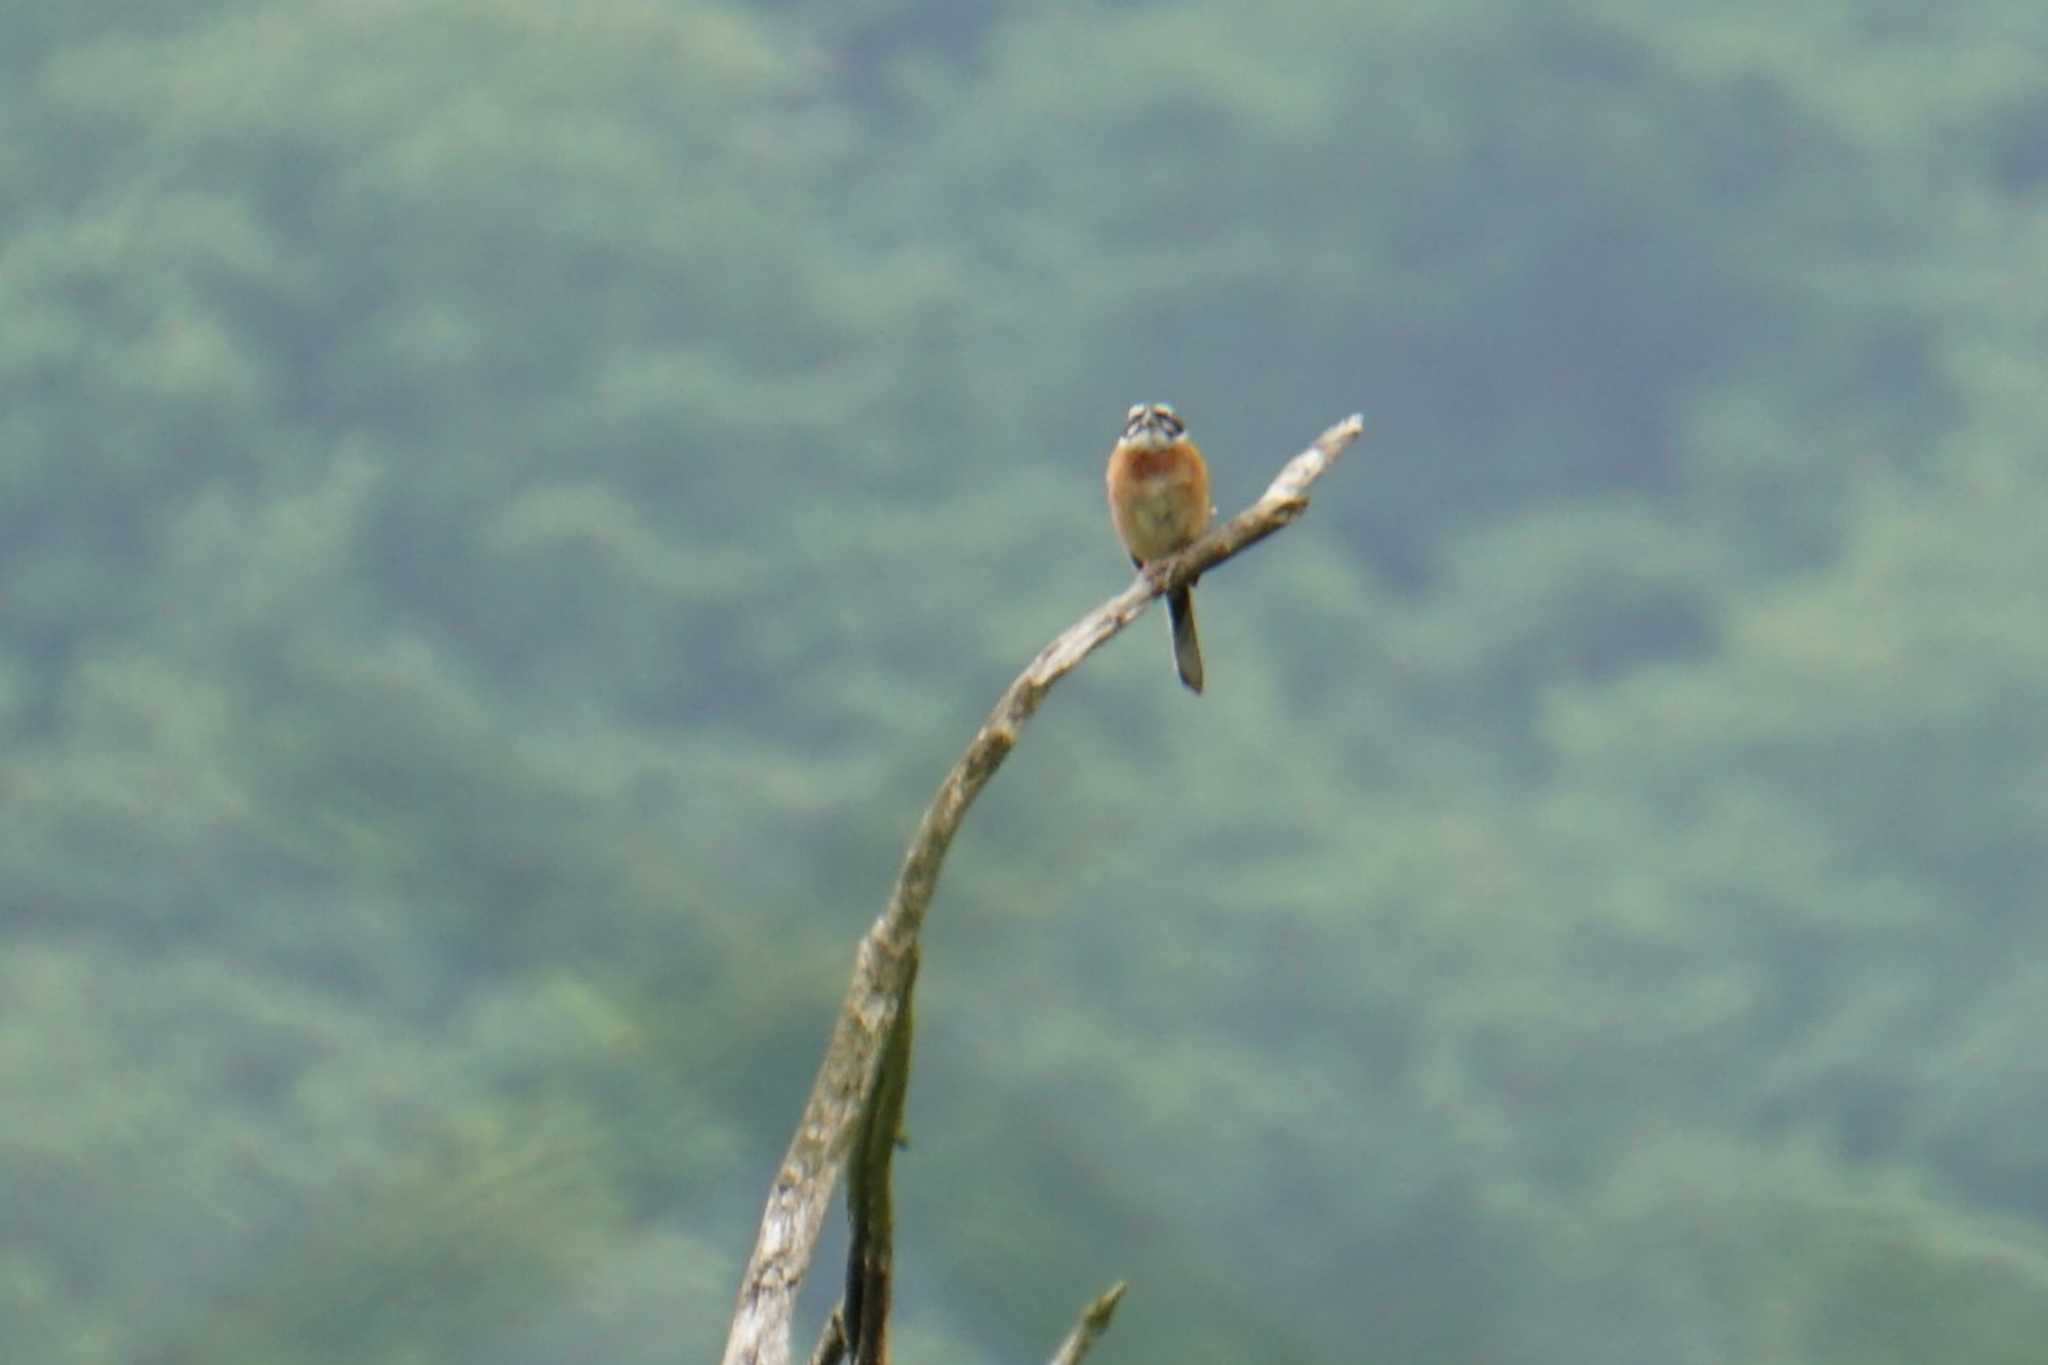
x=506 y=509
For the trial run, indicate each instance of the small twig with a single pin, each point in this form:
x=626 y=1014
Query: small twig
x=1094 y=1322
x=832 y=1341
x=886 y=958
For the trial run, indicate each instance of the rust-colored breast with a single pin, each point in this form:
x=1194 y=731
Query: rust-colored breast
x=1160 y=462
x=1158 y=497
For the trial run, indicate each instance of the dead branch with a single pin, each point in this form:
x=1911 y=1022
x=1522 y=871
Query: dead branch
x=886 y=959
x=870 y=1203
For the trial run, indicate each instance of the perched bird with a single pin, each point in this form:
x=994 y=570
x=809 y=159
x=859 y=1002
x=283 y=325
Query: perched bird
x=1159 y=503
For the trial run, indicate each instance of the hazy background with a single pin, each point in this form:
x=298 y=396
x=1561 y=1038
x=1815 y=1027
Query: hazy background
x=507 y=510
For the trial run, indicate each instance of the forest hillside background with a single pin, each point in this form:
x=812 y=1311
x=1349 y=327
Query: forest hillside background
x=507 y=510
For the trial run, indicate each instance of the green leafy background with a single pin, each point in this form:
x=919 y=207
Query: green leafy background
x=507 y=509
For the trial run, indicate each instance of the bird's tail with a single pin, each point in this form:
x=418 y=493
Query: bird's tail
x=1187 y=649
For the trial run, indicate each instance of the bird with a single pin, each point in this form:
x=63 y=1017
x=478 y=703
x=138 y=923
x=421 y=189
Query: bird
x=1159 y=503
